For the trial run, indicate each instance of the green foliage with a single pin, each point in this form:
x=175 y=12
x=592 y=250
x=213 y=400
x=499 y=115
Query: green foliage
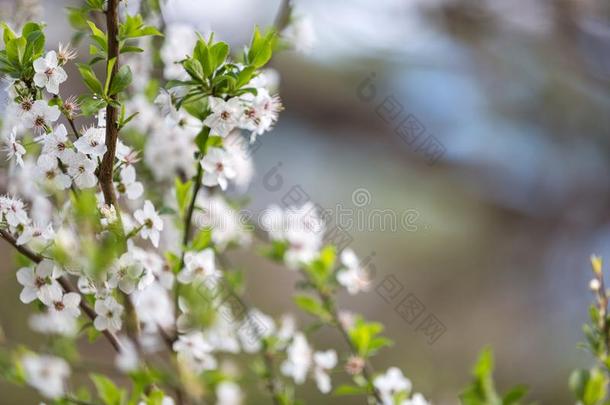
x=589 y=386
x=321 y=269
x=482 y=390
x=312 y=306
x=21 y=51
x=261 y=48
x=184 y=191
x=107 y=391
x=365 y=336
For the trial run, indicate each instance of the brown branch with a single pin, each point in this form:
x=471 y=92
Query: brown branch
x=112 y=130
x=63 y=281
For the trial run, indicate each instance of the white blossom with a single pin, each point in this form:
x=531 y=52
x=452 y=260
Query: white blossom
x=13 y=210
x=36 y=233
x=323 y=362
x=416 y=399
x=40 y=282
x=128 y=185
x=14 y=148
x=299 y=359
x=54 y=322
x=391 y=383
x=302 y=228
x=48 y=171
x=179 y=42
x=150 y=221
x=198 y=265
x=229 y=393
x=67 y=304
x=46 y=373
x=194 y=352
x=127 y=360
x=225 y=115
x=154 y=306
x=81 y=169
x=226 y=225
x=40 y=116
x=109 y=313
x=56 y=142
x=48 y=73
x=218 y=168
x=92 y=142
x=353 y=277
x=261 y=112
x=128 y=274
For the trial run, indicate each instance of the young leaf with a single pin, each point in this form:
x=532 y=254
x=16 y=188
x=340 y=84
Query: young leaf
x=121 y=80
x=91 y=80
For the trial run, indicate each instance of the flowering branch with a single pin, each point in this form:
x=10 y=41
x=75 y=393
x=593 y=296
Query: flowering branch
x=36 y=258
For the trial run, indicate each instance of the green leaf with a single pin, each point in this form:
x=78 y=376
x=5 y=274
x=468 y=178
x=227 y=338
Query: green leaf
x=7 y=33
x=514 y=395
x=15 y=49
x=595 y=389
x=261 y=48
x=202 y=240
x=109 y=68
x=98 y=36
x=121 y=80
x=108 y=392
x=183 y=194
x=90 y=105
x=343 y=390
x=312 y=306
x=91 y=80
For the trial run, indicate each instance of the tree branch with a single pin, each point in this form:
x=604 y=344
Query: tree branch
x=112 y=130
x=65 y=284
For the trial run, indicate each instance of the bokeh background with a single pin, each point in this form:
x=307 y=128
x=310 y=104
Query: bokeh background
x=516 y=93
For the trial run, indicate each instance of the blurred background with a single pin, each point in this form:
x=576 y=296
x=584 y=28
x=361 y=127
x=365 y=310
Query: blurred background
x=487 y=120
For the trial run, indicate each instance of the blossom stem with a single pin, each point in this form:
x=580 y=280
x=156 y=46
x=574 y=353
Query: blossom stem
x=266 y=354
x=65 y=284
x=330 y=304
x=188 y=218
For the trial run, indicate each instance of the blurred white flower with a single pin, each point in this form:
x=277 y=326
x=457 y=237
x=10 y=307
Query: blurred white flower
x=36 y=233
x=14 y=149
x=301 y=34
x=323 y=362
x=198 y=265
x=228 y=393
x=46 y=373
x=150 y=221
x=218 y=168
x=299 y=359
x=391 y=383
x=193 y=351
x=49 y=172
x=128 y=274
x=354 y=278
x=127 y=360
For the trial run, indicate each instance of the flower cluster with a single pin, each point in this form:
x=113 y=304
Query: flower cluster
x=116 y=202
